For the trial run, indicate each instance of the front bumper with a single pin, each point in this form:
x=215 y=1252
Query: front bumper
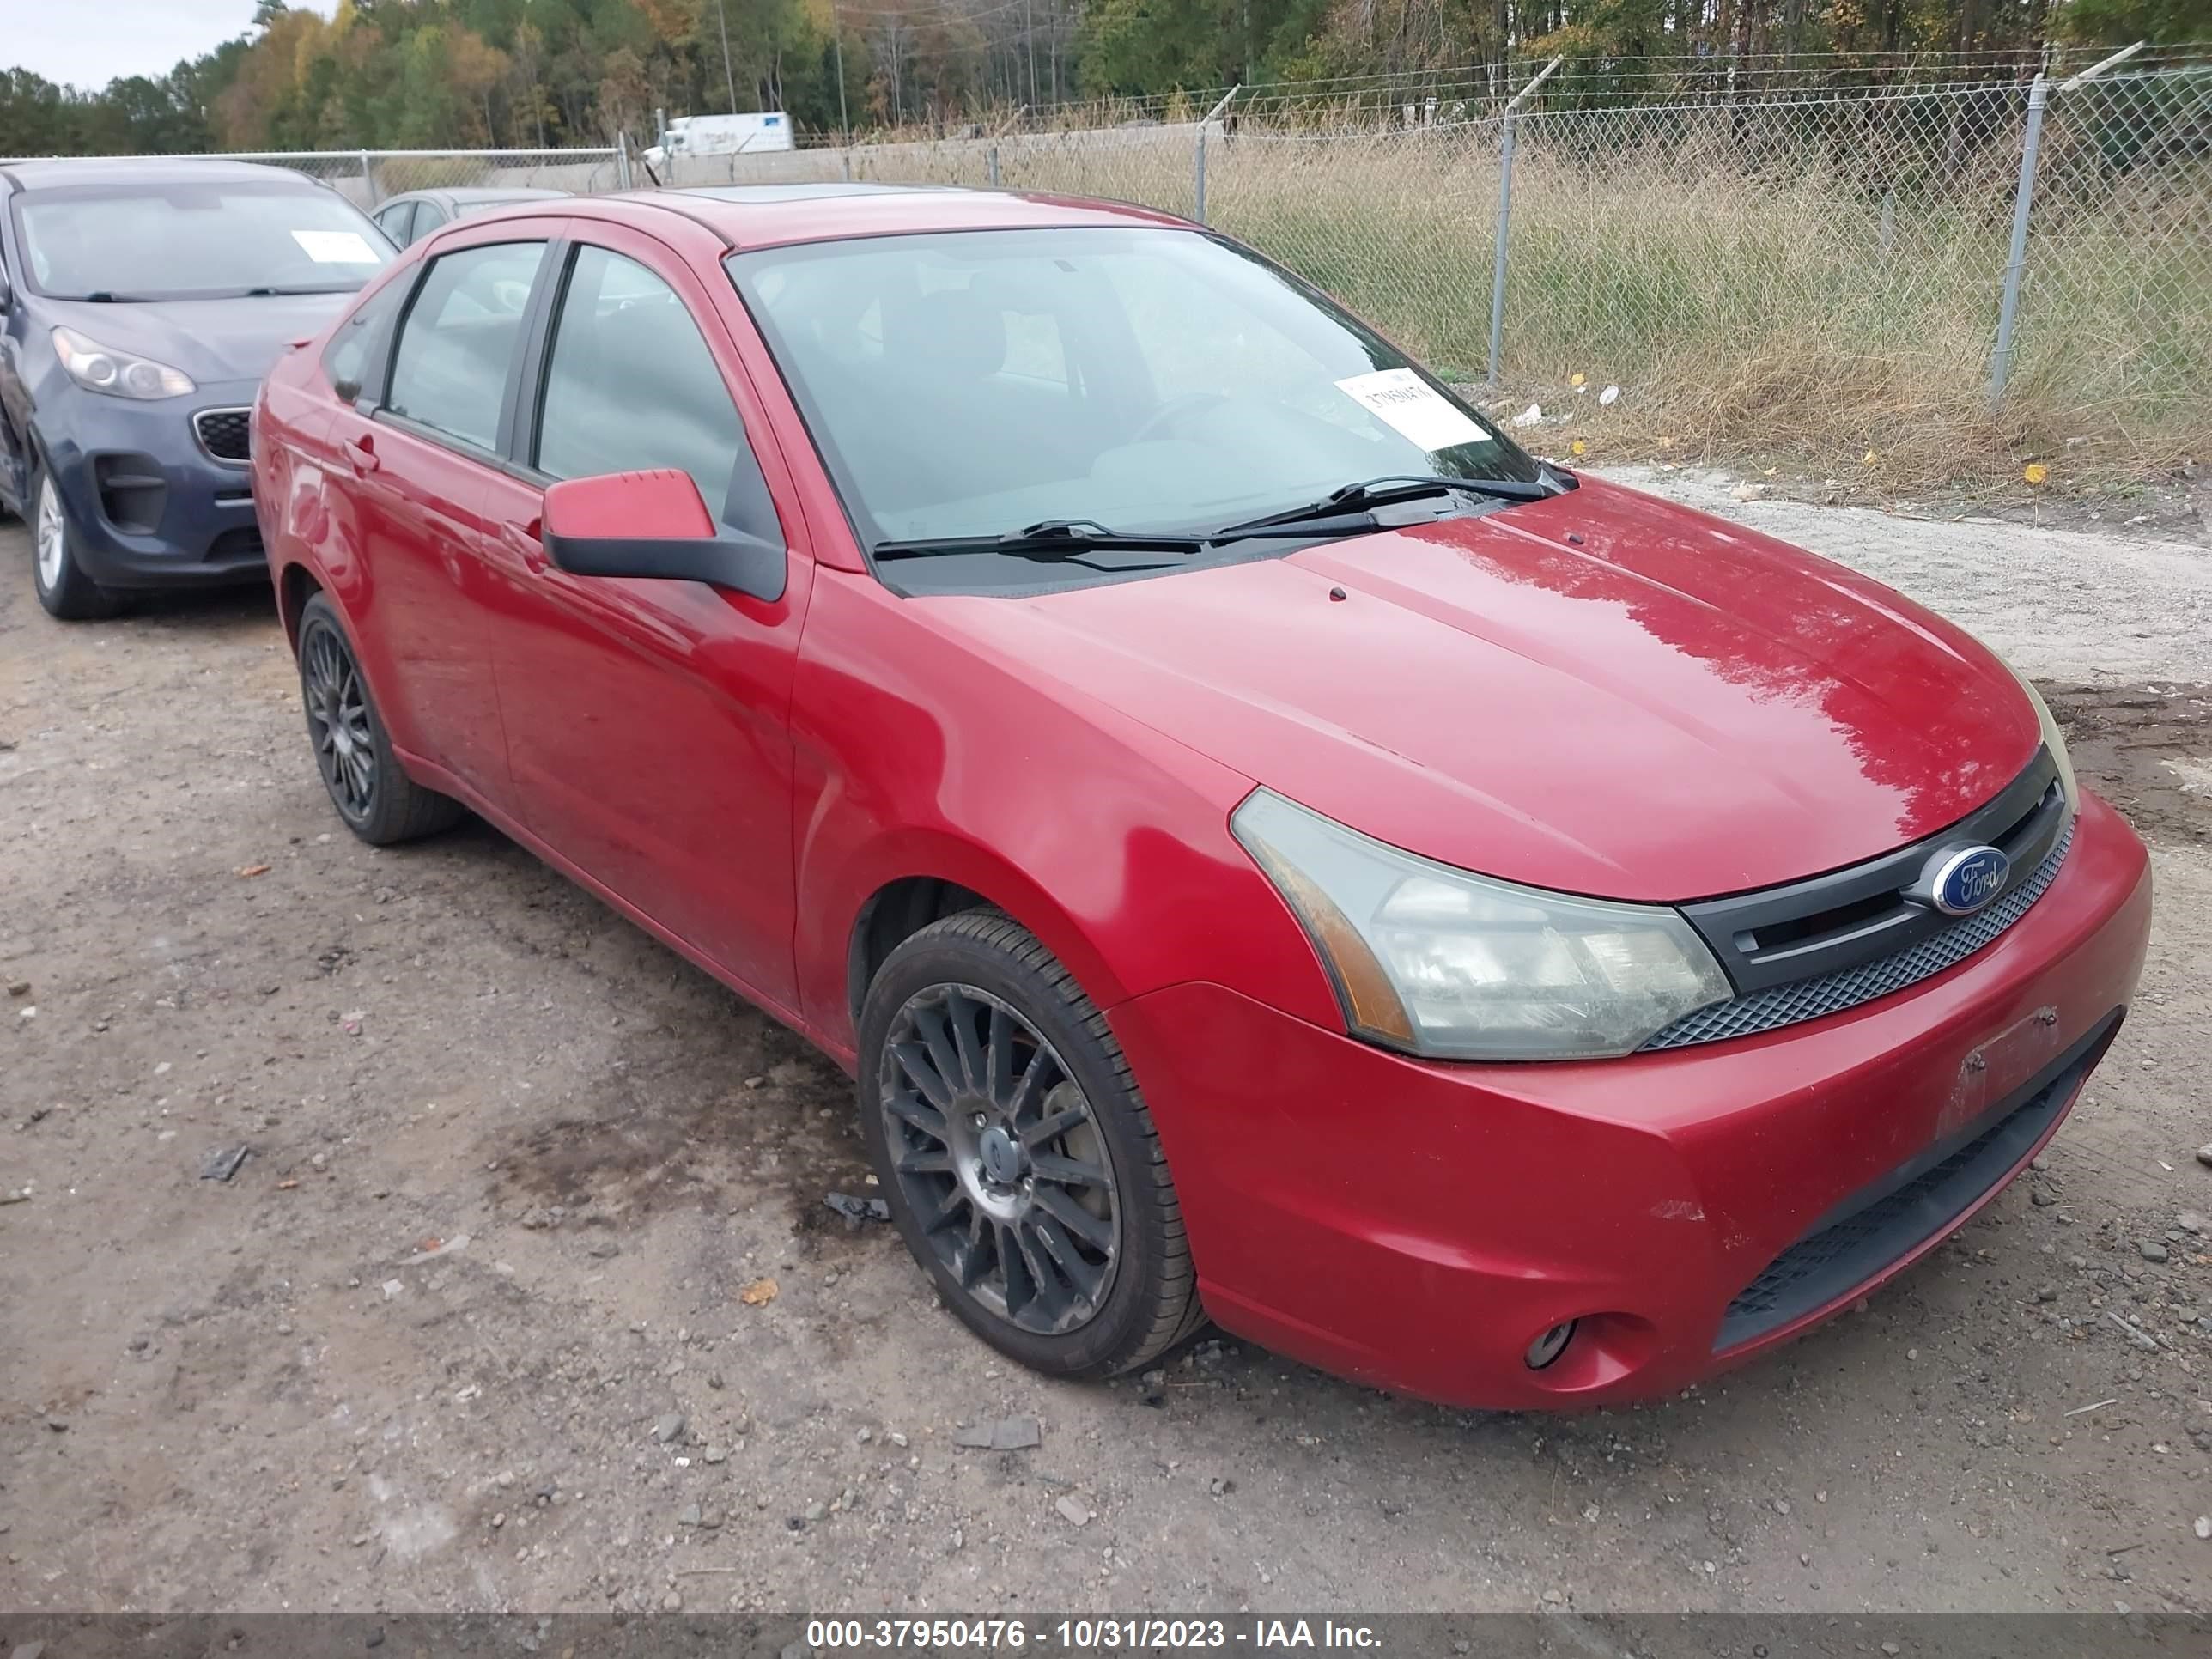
x=1417 y=1225
x=150 y=507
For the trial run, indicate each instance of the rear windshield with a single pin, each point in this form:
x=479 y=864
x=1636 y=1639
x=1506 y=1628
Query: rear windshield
x=199 y=240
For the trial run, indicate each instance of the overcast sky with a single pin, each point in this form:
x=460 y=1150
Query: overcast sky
x=87 y=43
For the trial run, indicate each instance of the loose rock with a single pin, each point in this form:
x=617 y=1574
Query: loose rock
x=669 y=1428
x=1072 y=1510
x=1007 y=1434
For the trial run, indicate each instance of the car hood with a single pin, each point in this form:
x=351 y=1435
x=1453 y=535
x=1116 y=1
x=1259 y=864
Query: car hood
x=1600 y=693
x=211 y=340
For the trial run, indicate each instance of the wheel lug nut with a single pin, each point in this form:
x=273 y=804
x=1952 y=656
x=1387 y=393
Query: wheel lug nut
x=977 y=1120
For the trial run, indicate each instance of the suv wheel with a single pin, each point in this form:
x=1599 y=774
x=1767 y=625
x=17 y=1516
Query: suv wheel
x=64 y=588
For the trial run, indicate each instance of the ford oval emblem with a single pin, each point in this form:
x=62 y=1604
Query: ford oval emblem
x=1967 y=879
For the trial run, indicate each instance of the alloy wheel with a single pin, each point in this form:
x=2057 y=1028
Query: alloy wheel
x=337 y=719
x=53 y=535
x=999 y=1156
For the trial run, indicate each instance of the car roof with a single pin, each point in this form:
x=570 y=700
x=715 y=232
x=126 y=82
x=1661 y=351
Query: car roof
x=474 y=193
x=145 y=170
x=770 y=215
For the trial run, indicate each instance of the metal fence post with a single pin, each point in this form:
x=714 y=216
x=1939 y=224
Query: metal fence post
x=2023 y=200
x=622 y=160
x=993 y=159
x=368 y=179
x=1200 y=214
x=1505 y=214
x=2009 y=308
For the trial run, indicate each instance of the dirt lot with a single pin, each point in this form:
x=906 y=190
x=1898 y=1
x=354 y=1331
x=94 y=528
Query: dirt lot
x=465 y=1329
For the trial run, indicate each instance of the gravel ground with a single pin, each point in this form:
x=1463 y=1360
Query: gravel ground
x=484 y=1319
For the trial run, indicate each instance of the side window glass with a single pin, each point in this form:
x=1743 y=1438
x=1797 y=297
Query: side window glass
x=428 y=217
x=459 y=339
x=630 y=384
x=394 y=222
x=354 y=349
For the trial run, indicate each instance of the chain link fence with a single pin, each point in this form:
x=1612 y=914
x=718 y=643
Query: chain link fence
x=1811 y=272
x=1806 y=270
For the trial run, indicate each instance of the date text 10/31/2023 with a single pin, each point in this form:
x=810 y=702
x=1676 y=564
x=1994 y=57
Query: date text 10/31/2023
x=1088 y=1635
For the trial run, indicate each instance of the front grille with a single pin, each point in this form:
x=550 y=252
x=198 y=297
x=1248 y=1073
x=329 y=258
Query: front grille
x=1911 y=1206
x=1830 y=994
x=224 y=434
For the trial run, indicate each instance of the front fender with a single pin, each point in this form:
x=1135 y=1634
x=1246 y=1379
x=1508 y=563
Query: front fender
x=917 y=754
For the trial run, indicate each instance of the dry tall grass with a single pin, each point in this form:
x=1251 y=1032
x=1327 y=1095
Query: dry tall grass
x=1753 y=288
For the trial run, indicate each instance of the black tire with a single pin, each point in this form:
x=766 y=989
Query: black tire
x=981 y=966
x=374 y=796
x=55 y=572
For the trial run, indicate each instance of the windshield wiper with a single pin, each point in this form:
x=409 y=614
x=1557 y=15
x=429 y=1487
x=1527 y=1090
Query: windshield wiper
x=102 y=296
x=285 y=292
x=1401 y=487
x=1048 y=541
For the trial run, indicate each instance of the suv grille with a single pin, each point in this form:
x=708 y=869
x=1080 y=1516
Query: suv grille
x=1830 y=994
x=223 y=434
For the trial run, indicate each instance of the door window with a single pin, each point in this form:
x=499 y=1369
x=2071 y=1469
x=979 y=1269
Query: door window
x=631 y=386
x=356 y=348
x=394 y=220
x=458 y=341
x=429 y=215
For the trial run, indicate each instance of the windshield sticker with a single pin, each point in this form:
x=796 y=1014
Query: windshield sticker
x=1407 y=403
x=335 y=247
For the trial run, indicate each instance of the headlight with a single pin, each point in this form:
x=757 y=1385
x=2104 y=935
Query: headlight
x=2053 y=739
x=96 y=369
x=1434 y=960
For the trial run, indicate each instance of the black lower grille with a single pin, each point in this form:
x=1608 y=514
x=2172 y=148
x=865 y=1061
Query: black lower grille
x=1910 y=1206
x=224 y=433
x=236 y=546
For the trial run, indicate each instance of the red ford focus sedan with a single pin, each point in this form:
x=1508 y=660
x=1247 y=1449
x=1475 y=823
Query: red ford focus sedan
x=1267 y=848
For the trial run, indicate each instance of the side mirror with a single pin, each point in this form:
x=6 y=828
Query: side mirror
x=652 y=524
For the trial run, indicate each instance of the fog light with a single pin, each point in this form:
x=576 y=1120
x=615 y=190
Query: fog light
x=1549 y=1346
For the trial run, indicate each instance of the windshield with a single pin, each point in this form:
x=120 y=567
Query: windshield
x=198 y=240
x=973 y=382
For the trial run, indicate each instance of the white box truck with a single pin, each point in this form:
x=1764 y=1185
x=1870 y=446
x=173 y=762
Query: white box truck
x=727 y=135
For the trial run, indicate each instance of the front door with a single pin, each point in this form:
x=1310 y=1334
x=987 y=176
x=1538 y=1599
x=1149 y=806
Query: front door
x=647 y=721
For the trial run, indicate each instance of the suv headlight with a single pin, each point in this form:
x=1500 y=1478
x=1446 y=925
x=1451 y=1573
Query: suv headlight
x=1440 y=962
x=118 y=374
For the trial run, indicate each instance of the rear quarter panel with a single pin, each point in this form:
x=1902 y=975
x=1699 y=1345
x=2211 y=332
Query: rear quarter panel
x=302 y=498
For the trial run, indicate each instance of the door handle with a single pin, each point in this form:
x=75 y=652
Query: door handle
x=523 y=538
x=361 y=452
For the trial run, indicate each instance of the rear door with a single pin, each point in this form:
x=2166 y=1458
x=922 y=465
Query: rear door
x=422 y=462
x=647 y=721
